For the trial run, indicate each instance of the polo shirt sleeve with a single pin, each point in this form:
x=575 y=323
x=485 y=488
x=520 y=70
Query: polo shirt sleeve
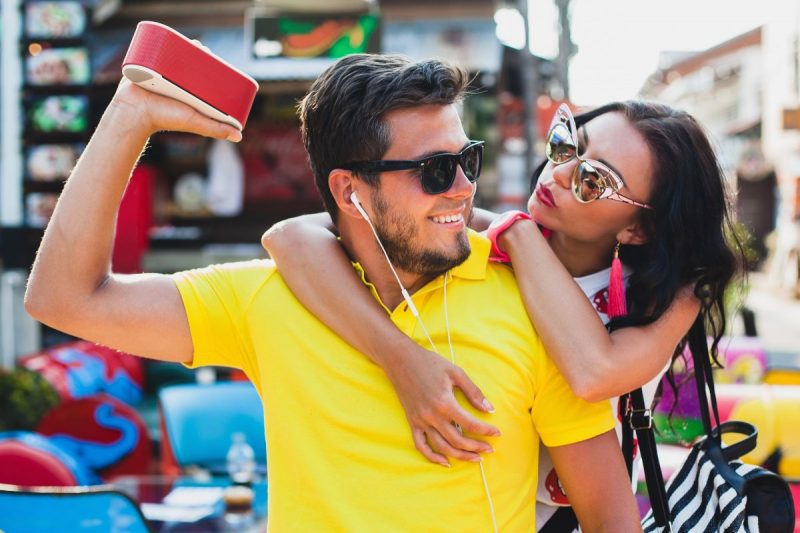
x=559 y=416
x=216 y=300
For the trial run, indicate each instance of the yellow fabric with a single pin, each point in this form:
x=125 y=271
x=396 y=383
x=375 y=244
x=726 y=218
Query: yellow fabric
x=340 y=453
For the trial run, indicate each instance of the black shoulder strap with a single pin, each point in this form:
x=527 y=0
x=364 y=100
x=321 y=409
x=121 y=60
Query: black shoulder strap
x=698 y=344
x=638 y=417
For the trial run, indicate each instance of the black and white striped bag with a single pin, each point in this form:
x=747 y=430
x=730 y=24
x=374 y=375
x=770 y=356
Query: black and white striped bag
x=712 y=491
x=717 y=506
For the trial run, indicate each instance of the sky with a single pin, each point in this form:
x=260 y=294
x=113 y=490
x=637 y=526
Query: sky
x=619 y=40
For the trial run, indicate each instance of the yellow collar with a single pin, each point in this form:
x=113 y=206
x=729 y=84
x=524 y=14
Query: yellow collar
x=475 y=265
x=474 y=268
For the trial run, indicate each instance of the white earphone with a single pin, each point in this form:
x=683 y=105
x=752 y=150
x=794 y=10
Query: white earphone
x=403 y=291
x=359 y=208
x=413 y=309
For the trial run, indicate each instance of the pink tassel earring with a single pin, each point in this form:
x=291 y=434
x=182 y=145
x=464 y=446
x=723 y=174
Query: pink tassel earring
x=617 y=306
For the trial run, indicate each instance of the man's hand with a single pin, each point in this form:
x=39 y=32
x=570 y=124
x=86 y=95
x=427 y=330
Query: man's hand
x=152 y=112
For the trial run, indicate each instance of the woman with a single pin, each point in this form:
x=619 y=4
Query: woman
x=636 y=178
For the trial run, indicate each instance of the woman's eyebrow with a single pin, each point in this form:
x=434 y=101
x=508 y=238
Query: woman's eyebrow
x=617 y=172
x=606 y=163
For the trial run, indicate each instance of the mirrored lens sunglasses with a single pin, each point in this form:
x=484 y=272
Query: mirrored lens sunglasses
x=591 y=179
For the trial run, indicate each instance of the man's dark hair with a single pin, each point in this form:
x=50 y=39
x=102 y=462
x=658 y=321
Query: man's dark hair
x=342 y=116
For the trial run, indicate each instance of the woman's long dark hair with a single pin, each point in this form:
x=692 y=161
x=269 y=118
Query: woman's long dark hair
x=691 y=239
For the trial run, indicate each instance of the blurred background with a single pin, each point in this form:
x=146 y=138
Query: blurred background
x=193 y=201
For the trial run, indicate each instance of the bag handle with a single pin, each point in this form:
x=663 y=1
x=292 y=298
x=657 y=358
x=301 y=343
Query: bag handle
x=741 y=447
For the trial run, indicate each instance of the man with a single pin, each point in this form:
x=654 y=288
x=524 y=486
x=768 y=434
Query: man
x=340 y=455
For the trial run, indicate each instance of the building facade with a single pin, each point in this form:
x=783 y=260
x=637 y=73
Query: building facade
x=745 y=92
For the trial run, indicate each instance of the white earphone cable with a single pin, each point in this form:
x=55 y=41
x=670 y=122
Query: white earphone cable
x=453 y=360
x=414 y=311
x=403 y=290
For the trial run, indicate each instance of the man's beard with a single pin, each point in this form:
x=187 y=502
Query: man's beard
x=398 y=233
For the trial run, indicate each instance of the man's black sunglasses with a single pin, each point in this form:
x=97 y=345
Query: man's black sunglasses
x=437 y=172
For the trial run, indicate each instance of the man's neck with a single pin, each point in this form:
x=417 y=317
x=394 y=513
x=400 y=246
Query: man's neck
x=364 y=250
x=377 y=271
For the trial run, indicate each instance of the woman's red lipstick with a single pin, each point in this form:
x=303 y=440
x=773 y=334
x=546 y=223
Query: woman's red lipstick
x=545 y=196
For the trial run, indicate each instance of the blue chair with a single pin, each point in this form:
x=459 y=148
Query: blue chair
x=197 y=422
x=30 y=459
x=78 y=509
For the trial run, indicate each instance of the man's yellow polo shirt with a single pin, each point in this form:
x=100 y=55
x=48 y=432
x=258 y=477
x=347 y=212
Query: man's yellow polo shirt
x=340 y=453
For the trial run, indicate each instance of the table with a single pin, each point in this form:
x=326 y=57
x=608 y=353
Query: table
x=193 y=503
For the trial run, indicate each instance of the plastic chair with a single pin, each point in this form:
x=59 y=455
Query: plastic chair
x=78 y=509
x=30 y=459
x=197 y=422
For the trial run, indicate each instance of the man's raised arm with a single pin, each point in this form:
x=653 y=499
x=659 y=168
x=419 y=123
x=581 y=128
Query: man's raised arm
x=71 y=287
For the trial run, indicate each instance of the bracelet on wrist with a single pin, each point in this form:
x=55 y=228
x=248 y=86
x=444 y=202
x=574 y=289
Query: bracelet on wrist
x=496 y=228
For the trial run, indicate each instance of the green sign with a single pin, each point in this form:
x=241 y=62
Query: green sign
x=304 y=36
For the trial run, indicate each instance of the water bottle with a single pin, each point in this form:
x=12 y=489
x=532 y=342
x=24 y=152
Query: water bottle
x=241 y=462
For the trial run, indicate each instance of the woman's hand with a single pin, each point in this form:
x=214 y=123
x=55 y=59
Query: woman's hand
x=424 y=382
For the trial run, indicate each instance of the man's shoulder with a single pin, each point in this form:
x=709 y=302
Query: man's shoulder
x=241 y=277
x=500 y=276
x=478 y=267
x=498 y=285
x=253 y=267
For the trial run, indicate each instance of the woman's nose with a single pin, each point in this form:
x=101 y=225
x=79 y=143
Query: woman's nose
x=562 y=174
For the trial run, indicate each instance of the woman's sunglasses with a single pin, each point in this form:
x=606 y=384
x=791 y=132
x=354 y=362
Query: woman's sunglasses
x=437 y=172
x=592 y=180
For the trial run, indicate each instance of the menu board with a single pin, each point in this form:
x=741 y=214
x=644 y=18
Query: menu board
x=39 y=207
x=51 y=162
x=59 y=113
x=54 y=20
x=58 y=66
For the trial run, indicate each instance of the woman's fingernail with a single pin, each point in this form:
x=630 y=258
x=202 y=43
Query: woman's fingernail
x=235 y=137
x=488 y=449
x=476 y=459
x=486 y=405
x=445 y=464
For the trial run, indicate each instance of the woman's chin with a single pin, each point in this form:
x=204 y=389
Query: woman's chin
x=537 y=213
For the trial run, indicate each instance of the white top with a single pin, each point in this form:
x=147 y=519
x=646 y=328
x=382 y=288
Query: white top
x=549 y=494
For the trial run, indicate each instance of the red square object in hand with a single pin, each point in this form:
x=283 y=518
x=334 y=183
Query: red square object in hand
x=163 y=61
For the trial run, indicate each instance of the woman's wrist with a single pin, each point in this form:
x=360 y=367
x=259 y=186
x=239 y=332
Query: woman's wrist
x=517 y=233
x=496 y=229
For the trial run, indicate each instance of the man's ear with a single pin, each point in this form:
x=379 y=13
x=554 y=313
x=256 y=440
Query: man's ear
x=342 y=184
x=632 y=235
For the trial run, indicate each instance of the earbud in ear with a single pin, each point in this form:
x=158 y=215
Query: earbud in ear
x=357 y=204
